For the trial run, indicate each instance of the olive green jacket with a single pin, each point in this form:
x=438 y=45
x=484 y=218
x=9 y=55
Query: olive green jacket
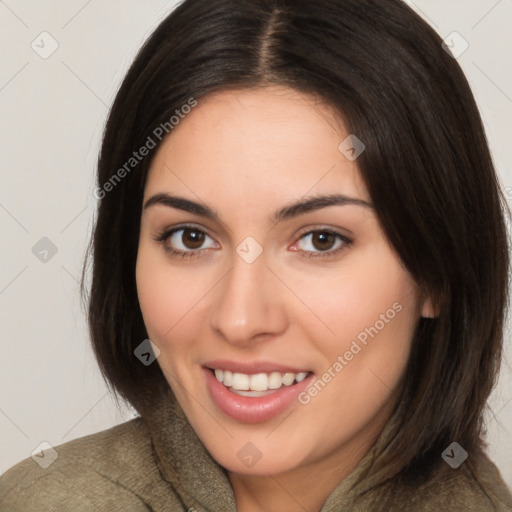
x=159 y=464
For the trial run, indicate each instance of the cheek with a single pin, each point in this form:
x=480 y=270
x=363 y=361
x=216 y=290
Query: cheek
x=170 y=302
x=369 y=292
x=368 y=315
x=372 y=311
x=168 y=296
x=380 y=305
x=166 y=292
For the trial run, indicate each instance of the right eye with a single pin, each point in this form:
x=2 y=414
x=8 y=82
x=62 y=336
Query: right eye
x=185 y=241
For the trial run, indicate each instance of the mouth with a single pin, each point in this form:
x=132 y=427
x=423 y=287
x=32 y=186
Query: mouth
x=257 y=384
x=254 y=393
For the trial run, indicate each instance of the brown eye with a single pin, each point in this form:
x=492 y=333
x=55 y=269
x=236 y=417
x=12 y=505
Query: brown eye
x=192 y=238
x=322 y=243
x=186 y=240
x=323 y=240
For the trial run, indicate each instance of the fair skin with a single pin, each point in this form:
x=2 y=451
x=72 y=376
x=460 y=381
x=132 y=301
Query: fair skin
x=247 y=154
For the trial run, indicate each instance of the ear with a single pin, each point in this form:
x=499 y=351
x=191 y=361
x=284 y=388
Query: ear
x=427 y=309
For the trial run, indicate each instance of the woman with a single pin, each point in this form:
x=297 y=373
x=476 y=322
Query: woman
x=298 y=208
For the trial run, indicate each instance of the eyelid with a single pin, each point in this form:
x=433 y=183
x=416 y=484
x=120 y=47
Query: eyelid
x=325 y=227
x=163 y=235
x=347 y=241
x=342 y=233
x=166 y=232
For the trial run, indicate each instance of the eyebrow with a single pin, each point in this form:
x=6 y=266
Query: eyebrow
x=299 y=208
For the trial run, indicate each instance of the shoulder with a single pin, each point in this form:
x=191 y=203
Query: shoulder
x=111 y=470
x=475 y=486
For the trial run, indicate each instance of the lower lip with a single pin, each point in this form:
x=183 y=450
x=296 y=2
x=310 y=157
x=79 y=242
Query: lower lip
x=253 y=409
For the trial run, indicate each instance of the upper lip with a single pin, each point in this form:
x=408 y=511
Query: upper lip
x=250 y=368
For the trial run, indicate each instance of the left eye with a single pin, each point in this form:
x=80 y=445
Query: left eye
x=322 y=241
x=187 y=240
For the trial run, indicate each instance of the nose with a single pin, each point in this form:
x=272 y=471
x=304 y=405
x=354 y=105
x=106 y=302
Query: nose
x=248 y=304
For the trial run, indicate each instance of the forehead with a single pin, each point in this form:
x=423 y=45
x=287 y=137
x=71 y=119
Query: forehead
x=271 y=141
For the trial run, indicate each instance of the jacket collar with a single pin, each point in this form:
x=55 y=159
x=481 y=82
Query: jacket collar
x=184 y=461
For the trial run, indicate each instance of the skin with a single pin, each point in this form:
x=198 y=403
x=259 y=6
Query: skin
x=246 y=154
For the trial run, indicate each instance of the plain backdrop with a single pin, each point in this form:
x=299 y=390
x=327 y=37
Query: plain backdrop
x=52 y=111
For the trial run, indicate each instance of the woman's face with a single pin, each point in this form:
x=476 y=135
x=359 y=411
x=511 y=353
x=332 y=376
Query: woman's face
x=299 y=304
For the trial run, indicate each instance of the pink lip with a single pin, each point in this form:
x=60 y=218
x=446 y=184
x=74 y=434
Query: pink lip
x=253 y=409
x=252 y=367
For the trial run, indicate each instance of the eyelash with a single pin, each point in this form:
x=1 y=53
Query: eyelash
x=166 y=234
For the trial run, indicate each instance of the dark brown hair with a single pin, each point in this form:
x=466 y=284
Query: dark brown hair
x=427 y=167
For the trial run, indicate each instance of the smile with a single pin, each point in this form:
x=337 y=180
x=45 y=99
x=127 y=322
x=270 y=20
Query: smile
x=258 y=384
x=254 y=393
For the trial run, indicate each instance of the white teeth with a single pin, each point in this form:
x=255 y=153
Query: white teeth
x=240 y=381
x=259 y=382
x=227 y=378
x=252 y=394
x=256 y=384
x=301 y=376
x=275 y=381
x=288 y=379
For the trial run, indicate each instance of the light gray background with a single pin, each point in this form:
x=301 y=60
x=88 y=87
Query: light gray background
x=52 y=113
